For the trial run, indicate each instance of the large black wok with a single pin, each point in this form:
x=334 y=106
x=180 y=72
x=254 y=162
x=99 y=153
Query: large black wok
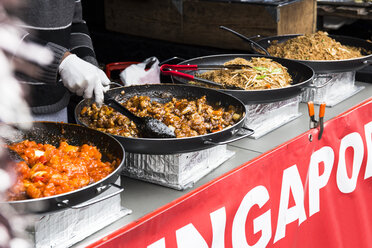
x=330 y=66
x=301 y=74
x=164 y=93
x=52 y=133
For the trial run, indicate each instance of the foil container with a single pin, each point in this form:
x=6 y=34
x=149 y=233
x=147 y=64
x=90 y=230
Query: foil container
x=178 y=171
x=266 y=117
x=67 y=227
x=337 y=87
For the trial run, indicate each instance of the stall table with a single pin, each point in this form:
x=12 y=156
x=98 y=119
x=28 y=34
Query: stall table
x=144 y=198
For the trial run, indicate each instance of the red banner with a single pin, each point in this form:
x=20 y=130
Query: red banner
x=302 y=194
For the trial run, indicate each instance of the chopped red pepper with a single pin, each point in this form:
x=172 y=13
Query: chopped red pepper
x=43 y=159
x=39 y=178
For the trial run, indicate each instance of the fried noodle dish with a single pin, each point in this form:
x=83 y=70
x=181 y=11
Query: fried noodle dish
x=260 y=74
x=186 y=117
x=47 y=170
x=317 y=46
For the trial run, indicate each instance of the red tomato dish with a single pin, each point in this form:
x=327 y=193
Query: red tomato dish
x=48 y=170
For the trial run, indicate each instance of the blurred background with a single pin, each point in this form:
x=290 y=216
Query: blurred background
x=135 y=30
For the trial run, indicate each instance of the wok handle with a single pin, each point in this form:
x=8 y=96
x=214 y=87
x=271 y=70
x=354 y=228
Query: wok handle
x=251 y=132
x=65 y=203
x=367 y=62
x=320 y=86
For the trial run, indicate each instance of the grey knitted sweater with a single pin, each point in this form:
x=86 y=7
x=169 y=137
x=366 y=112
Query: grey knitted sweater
x=57 y=24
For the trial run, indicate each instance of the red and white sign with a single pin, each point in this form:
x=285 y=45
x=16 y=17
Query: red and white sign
x=302 y=194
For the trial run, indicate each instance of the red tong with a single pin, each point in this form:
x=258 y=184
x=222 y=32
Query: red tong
x=173 y=70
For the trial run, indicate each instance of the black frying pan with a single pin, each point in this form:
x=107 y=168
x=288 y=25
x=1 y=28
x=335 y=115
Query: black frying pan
x=52 y=133
x=301 y=74
x=164 y=93
x=330 y=66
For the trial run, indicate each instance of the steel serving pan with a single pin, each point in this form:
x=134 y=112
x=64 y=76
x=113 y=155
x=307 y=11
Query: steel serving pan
x=164 y=93
x=330 y=66
x=301 y=74
x=52 y=133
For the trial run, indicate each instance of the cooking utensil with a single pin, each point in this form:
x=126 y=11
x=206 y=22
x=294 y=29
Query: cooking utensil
x=52 y=133
x=164 y=93
x=148 y=126
x=252 y=43
x=330 y=66
x=171 y=71
x=203 y=67
x=302 y=75
x=313 y=122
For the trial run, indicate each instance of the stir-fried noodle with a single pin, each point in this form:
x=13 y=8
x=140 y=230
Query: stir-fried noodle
x=260 y=73
x=317 y=46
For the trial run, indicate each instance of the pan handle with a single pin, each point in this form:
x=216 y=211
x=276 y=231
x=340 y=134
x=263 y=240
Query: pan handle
x=367 y=62
x=250 y=132
x=252 y=43
x=320 y=86
x=65 y=203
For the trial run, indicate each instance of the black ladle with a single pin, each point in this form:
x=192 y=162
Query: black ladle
x=252 y=43
x=148 y=126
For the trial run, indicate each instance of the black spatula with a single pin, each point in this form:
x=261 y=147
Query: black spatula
x=148 y=126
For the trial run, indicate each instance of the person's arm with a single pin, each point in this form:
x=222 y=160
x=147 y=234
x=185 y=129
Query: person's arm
x=59 y=26
x=84 y=79
x=79 y=76
x=80 y=40
x=46 y=72
x=76 y=65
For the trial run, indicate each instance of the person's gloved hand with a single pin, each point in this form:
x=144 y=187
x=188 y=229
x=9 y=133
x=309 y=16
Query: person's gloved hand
x=83 y=78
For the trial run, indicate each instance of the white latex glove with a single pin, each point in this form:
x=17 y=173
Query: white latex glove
x=83 y=78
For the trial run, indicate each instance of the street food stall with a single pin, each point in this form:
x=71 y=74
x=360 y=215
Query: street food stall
x=164 y=217
x=260 y=149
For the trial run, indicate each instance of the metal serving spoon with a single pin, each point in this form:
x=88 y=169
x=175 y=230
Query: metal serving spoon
x=148 y=126
x=245 y=38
